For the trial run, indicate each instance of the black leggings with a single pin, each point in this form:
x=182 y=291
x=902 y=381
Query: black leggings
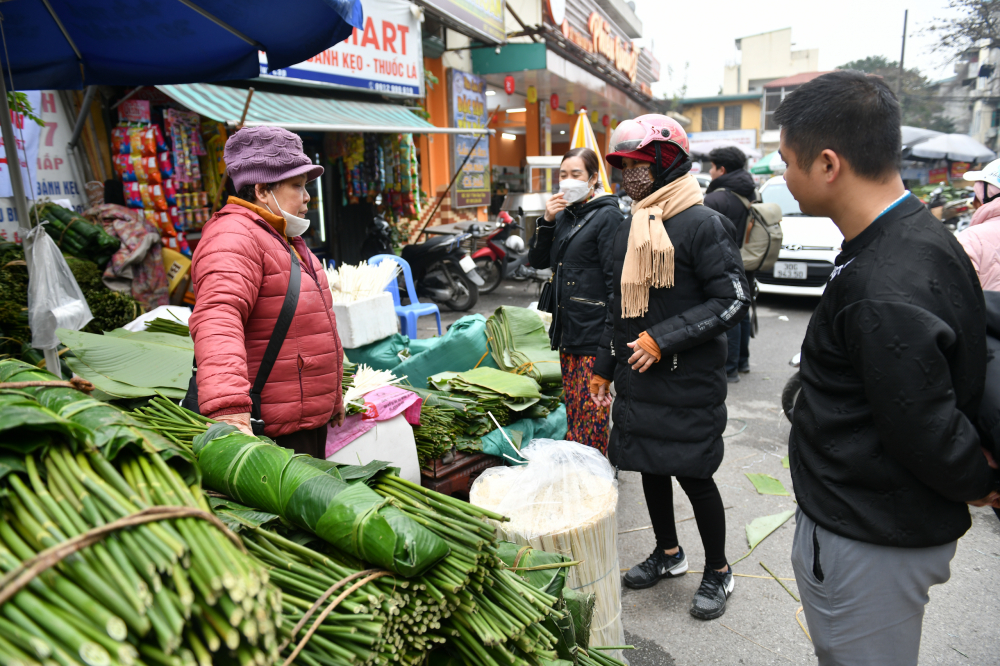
x=708 y=512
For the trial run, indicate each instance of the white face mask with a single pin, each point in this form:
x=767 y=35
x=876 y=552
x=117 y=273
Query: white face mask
x=574 y=190
x=294 y=226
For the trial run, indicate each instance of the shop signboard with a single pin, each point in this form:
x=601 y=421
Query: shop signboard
x=706 y=141
x=384 y=57
x=602 y=40
x=484 y=18
x=467 y=108
x=958 y=169
x=50 y=175
x=939 y=175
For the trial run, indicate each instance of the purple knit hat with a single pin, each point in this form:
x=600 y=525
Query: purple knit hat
x=266 y=155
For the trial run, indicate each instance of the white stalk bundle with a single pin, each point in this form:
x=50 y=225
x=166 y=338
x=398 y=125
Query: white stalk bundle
x=367 y=380
x=355 y=283
x=564 y=501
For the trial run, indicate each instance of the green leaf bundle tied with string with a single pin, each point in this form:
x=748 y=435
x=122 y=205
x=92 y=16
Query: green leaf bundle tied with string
x=309 y=493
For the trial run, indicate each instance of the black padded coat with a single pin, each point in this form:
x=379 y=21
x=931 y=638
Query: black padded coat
x=669 y=420
x=582 y=283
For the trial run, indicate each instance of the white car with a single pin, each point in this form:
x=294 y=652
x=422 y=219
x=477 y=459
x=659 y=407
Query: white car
x=809 y=246
x=704 y=180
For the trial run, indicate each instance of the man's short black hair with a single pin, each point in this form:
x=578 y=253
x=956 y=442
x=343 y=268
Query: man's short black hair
x=853 y=114
x=729 y=157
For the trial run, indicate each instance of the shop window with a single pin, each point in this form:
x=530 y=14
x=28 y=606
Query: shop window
x=734 y=117
x=709 y=118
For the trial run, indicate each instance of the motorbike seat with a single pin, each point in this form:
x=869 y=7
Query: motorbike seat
x=433 y=243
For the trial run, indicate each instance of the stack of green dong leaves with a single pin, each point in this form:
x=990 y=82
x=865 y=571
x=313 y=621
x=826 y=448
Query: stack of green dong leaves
x=76 y=235
x=506 y=395
x=171 y=592
x=519 y=344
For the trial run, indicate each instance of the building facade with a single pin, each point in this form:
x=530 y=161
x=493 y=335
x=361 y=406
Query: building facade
x=764 y=58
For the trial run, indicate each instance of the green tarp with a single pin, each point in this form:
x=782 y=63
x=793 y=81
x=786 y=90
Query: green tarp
x=522 y=432
x=461 y=348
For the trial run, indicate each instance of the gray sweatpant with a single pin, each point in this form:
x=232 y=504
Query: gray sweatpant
x=864 y=604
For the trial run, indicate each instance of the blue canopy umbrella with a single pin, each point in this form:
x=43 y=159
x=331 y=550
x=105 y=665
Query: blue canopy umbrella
x=69 y=44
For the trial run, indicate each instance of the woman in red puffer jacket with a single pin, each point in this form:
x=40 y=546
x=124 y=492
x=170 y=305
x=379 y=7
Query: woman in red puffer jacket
x=240 y=271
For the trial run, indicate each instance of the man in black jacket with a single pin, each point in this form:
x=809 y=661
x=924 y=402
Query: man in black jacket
x=884 y=454
x=730 y=181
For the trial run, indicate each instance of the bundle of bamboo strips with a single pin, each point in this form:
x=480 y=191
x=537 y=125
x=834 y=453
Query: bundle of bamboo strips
x=354 y=283
x=563 y=501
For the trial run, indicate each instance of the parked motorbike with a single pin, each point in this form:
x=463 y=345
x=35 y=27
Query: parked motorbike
x=444 y=272
x=502 y=254
x=792 y=387
x=378 y=240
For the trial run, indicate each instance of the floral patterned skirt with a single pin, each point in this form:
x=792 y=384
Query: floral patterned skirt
x=588 y=423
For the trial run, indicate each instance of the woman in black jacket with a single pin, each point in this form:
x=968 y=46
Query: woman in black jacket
x=574 y=239
x=679 y=286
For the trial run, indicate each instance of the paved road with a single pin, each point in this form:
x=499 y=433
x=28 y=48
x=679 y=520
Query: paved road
x=760 y=625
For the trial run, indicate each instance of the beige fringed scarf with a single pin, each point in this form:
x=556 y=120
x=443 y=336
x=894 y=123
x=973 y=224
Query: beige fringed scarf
x=649 y=260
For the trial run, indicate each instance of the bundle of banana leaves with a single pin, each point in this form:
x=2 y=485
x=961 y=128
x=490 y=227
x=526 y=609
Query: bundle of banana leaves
x=310 y=494
x=93 y=573
x=519 y=344
x=131 y=365
x=470 y=419
x=506 y=395
x=76 y=235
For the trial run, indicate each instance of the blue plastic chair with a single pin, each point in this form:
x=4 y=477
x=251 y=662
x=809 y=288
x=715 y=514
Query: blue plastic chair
x=407 y=314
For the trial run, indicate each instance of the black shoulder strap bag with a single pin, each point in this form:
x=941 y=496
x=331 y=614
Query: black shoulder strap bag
x=547 y=299
x=291 y=301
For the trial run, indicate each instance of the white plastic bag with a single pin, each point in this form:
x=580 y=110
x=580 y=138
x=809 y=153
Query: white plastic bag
x=54 y=297
x=564 y=501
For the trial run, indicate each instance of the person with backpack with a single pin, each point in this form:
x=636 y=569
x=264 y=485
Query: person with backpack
x=252 y=260
x=731 y=192
x=678 y=287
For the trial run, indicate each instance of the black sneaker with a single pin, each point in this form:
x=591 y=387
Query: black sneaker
x=657 y=566
x=745 y=368
x=733 y=377
x=710 y=599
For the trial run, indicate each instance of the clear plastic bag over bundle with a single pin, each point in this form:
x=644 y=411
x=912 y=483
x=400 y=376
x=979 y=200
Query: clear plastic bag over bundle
x=564 y=485
x=564 y=501
x=54 y=297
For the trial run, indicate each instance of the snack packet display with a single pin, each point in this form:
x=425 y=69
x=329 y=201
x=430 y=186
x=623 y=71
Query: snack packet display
x=147 y=200
x=133 y=196
x=149 y=142
x=152 y=170
x=169 y=192
x=165 y=165
x=120 y=141
x=159 y=201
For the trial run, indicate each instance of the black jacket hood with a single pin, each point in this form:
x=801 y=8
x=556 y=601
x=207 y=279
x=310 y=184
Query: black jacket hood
x=597 y=202
x=740 y=182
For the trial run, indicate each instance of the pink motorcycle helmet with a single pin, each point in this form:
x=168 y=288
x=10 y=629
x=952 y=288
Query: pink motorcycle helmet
x=631 y=138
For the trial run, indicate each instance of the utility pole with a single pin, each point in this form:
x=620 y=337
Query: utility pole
x=902 y=56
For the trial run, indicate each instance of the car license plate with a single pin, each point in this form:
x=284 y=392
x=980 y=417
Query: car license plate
x=791 y=270
x=467 y=263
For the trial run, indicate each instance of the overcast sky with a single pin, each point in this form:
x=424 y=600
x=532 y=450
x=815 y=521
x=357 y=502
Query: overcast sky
x=842 y=31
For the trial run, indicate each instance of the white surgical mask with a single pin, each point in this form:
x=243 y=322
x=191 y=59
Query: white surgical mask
x=574 y=190
x=294 y=226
